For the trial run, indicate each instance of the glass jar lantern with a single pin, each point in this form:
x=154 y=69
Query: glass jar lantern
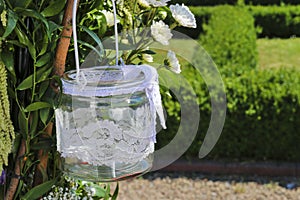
x=106 y=126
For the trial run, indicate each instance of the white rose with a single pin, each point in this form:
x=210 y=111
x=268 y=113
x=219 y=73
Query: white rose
x=183 y=15
x=161 y=32
x=173 y=62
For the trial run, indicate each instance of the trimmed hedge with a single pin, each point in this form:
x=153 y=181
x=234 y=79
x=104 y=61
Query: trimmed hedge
x=230 y=38
x=277 y=21
x=234 y=2
x=272 y=2
x=262 y=120
x=205 y=2
x=273 y=21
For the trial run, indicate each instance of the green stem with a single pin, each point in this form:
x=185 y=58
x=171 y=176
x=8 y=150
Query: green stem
x=34 y=82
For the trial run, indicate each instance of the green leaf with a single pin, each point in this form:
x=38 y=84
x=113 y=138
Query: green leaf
x=95 y=37
x=34 y=123
x=41 y=74
x=39 y=190
x=99 y=191
x=8 y=59
x=43 y=143
x=16 y=43
x=23 y=39
x=32 y=13
x=44 y=46
x=107 y=192
x=23 y=3
x=54 y=8
x=2 y=5
x=91 y=47
x=96 y=4
x=43 y=60
x=37 y=106
x=27 y=83
x=115 y=195
x=11 y=23
x=23 y=123
x=43 y=88
x=54 y=26
x=44 y=115
x=149 y=52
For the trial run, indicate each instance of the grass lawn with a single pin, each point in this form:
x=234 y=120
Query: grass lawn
x=275 y=53
x=272 y=53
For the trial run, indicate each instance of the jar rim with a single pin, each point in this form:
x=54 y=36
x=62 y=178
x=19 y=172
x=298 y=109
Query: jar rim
x=108 y=80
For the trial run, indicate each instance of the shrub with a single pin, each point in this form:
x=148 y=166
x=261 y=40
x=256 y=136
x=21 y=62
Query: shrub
x=234 y=2
x=273 y=21
x=205 y=2
x=230 y=37
x=271 y=2
x=262 y=120
x=277 y=21
x=262 y=117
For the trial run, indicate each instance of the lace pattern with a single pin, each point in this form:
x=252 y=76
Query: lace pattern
x=127 y=137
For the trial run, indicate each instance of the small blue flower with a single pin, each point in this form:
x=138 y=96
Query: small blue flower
x=3 y=178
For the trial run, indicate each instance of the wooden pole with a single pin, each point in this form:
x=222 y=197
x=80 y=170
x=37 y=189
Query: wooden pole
x=17 y=172
x=59 y=69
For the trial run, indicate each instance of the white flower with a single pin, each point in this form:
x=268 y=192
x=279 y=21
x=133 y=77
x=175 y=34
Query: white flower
x=161 y=32
x=148 y=58
x=144 y=3
x=110 y=20
x=173 y=62
x=155 y=3
x=183 y=15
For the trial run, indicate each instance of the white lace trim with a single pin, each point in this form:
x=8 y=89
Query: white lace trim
x=128 y=138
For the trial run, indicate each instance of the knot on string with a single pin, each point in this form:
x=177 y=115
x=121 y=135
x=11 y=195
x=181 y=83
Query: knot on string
x=81 y=80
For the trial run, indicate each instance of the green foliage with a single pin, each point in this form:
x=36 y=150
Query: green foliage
x=205 y=2
x=261 y=122
x=277 y=21
x=262 y=116
x=271 y=2
x=39 y=190
x=29 y=35
x=29 y=32
x=69 y=188
x=230 y=38
x=271 y=21
x=234 y=2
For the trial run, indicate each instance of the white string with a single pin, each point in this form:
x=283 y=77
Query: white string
x=75 y=40
x=116 y=31
x=76 y=52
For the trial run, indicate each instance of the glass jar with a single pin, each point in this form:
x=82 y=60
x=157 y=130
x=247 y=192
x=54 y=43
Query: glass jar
x=106 y=124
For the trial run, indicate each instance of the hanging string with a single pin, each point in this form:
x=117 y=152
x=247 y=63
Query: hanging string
x=76 y=51
x=116 y=31
x=75 y=40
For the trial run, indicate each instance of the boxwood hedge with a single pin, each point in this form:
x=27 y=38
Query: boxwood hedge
x=230 y=38
x=234 y=2
x=205 y=2
x=271 y=21
x=277 y=21
x=262 y=120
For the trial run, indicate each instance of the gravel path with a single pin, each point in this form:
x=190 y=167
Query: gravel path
x=158 y=186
